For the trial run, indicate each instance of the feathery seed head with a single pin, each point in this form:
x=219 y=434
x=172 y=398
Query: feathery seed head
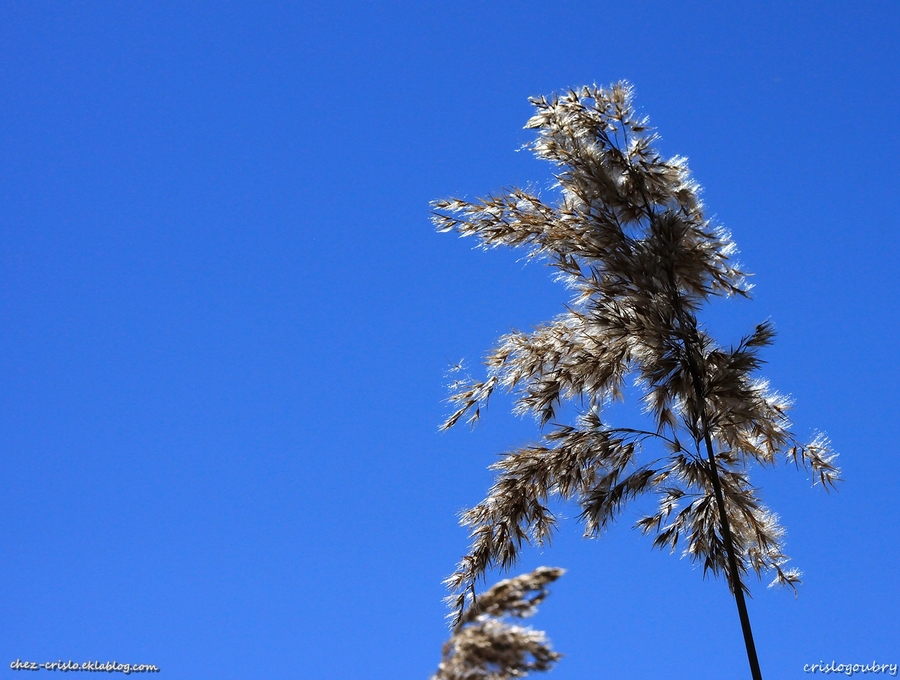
x=629 y=238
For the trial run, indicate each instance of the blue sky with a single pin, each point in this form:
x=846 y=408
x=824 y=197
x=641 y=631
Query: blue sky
x=226 y=321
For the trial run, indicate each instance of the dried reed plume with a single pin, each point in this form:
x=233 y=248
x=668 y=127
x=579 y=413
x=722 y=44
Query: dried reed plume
x=628 y=236
x=485 y=647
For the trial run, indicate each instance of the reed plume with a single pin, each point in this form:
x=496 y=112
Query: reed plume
x=484 y=645
x=628 y=236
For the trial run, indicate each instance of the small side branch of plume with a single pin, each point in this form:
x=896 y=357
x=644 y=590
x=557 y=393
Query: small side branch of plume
x=484 y=645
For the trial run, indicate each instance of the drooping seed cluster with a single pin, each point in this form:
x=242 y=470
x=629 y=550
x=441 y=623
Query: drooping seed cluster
x=628 y=236
x=486 y=646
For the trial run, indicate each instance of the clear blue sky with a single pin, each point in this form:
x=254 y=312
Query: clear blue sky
x=226 y=321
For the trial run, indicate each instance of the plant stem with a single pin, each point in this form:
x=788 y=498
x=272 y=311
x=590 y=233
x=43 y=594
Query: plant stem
x=691 y=340
x=687 y=325
x=737 y=587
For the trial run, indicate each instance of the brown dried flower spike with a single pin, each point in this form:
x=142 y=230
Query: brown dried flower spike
x=485 y=647
x=628 y=235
